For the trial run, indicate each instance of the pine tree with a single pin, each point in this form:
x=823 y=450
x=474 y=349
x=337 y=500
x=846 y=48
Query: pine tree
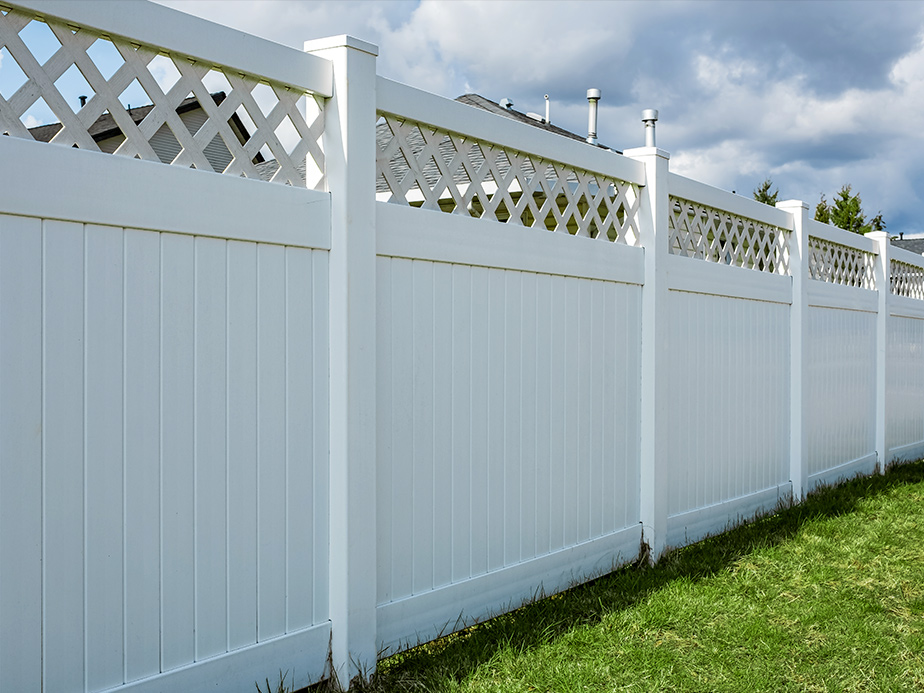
x=846 y=212
x=763 y=194
x=823 y=211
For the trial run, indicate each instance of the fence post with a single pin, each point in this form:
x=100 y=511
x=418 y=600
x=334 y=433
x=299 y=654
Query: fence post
x=349 y=150
x=883 y=286
x=798 y=314
x=653 y=230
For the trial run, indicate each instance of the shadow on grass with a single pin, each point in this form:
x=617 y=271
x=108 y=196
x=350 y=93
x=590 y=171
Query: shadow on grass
x=430 y=666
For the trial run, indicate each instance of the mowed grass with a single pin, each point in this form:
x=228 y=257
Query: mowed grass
x=824 y=596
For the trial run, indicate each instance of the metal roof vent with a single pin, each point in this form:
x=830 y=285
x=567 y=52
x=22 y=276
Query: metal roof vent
x=593 y=96
x=649 y=117
x=506 y=103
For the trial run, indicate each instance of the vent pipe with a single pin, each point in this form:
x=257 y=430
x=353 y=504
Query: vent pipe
x=649 y=117
x=548 y=118
x=593 y=96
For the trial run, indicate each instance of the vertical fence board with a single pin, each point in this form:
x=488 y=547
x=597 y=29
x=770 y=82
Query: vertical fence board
x=142 y=454
x=21 y=453
x=423 y=395
x=558 y=408
x=442 y=456
x=511 y=417
x=271 y=413
x=385 y=429
x=63 y=447
x=543 y=394
x=481 y=417
x=529 y=378
x=178 y=580
x=104 y=456
x=300 y=430
x=497 y=350
x=402 y=404
x=242 y=444
x=320 y=395
x=461 y=368
x=211 y=483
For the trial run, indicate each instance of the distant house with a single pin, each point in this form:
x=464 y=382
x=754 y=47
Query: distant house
x=107 y=135
x=915 y=245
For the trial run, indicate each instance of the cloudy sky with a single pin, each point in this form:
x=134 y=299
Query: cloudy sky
x=812 y=94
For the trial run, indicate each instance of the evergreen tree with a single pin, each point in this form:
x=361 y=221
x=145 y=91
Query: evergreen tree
x=846 y=212
x=763 y=194
x=823 y=211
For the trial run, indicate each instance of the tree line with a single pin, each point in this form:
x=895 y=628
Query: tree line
x=844 y=211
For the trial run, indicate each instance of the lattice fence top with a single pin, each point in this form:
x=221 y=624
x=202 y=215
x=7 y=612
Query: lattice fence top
x=907 y=280
x=200 y=115
x=840 y=264
x=426 y=167
x=713 y=235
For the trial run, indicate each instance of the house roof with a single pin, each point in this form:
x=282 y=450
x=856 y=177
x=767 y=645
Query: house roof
x=105 y=126
x=915 y=245
x=486 y=105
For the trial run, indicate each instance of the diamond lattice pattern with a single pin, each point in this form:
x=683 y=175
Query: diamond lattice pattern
x=840 y=264
x=907 y=280
x=701 y=232
x=239 y=124
x=426 y=167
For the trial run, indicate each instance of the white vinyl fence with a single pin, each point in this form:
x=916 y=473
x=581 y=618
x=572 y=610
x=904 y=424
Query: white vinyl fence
x=405 y=365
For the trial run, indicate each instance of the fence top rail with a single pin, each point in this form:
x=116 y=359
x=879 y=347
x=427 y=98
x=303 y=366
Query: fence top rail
x=906 y=256
x=833 y=234
x=441 y=113
x=694 y=191
x=179 y=33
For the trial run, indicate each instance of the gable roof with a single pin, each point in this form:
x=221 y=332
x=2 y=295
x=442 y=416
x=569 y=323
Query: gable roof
x=105 y=126
x=484 y=104
x=915 y=245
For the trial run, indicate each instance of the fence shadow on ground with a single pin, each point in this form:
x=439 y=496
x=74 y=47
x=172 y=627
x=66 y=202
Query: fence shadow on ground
x=457 y=655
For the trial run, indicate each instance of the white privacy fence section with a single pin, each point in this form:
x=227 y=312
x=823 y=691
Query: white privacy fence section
x=508 y=433
x=508 y=365
x=249 y=428
x=727 y=359
x=482 y=165
x=905 y=356
x=840 y=354
x=258 y=118
x=164 y=512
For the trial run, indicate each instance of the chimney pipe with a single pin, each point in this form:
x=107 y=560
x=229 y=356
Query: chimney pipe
x=547 y=117
x=83 y=101
x=649 y=117
x=593 y=96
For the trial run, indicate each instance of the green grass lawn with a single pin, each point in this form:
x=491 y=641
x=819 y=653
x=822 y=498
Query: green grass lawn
x=824 y=596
